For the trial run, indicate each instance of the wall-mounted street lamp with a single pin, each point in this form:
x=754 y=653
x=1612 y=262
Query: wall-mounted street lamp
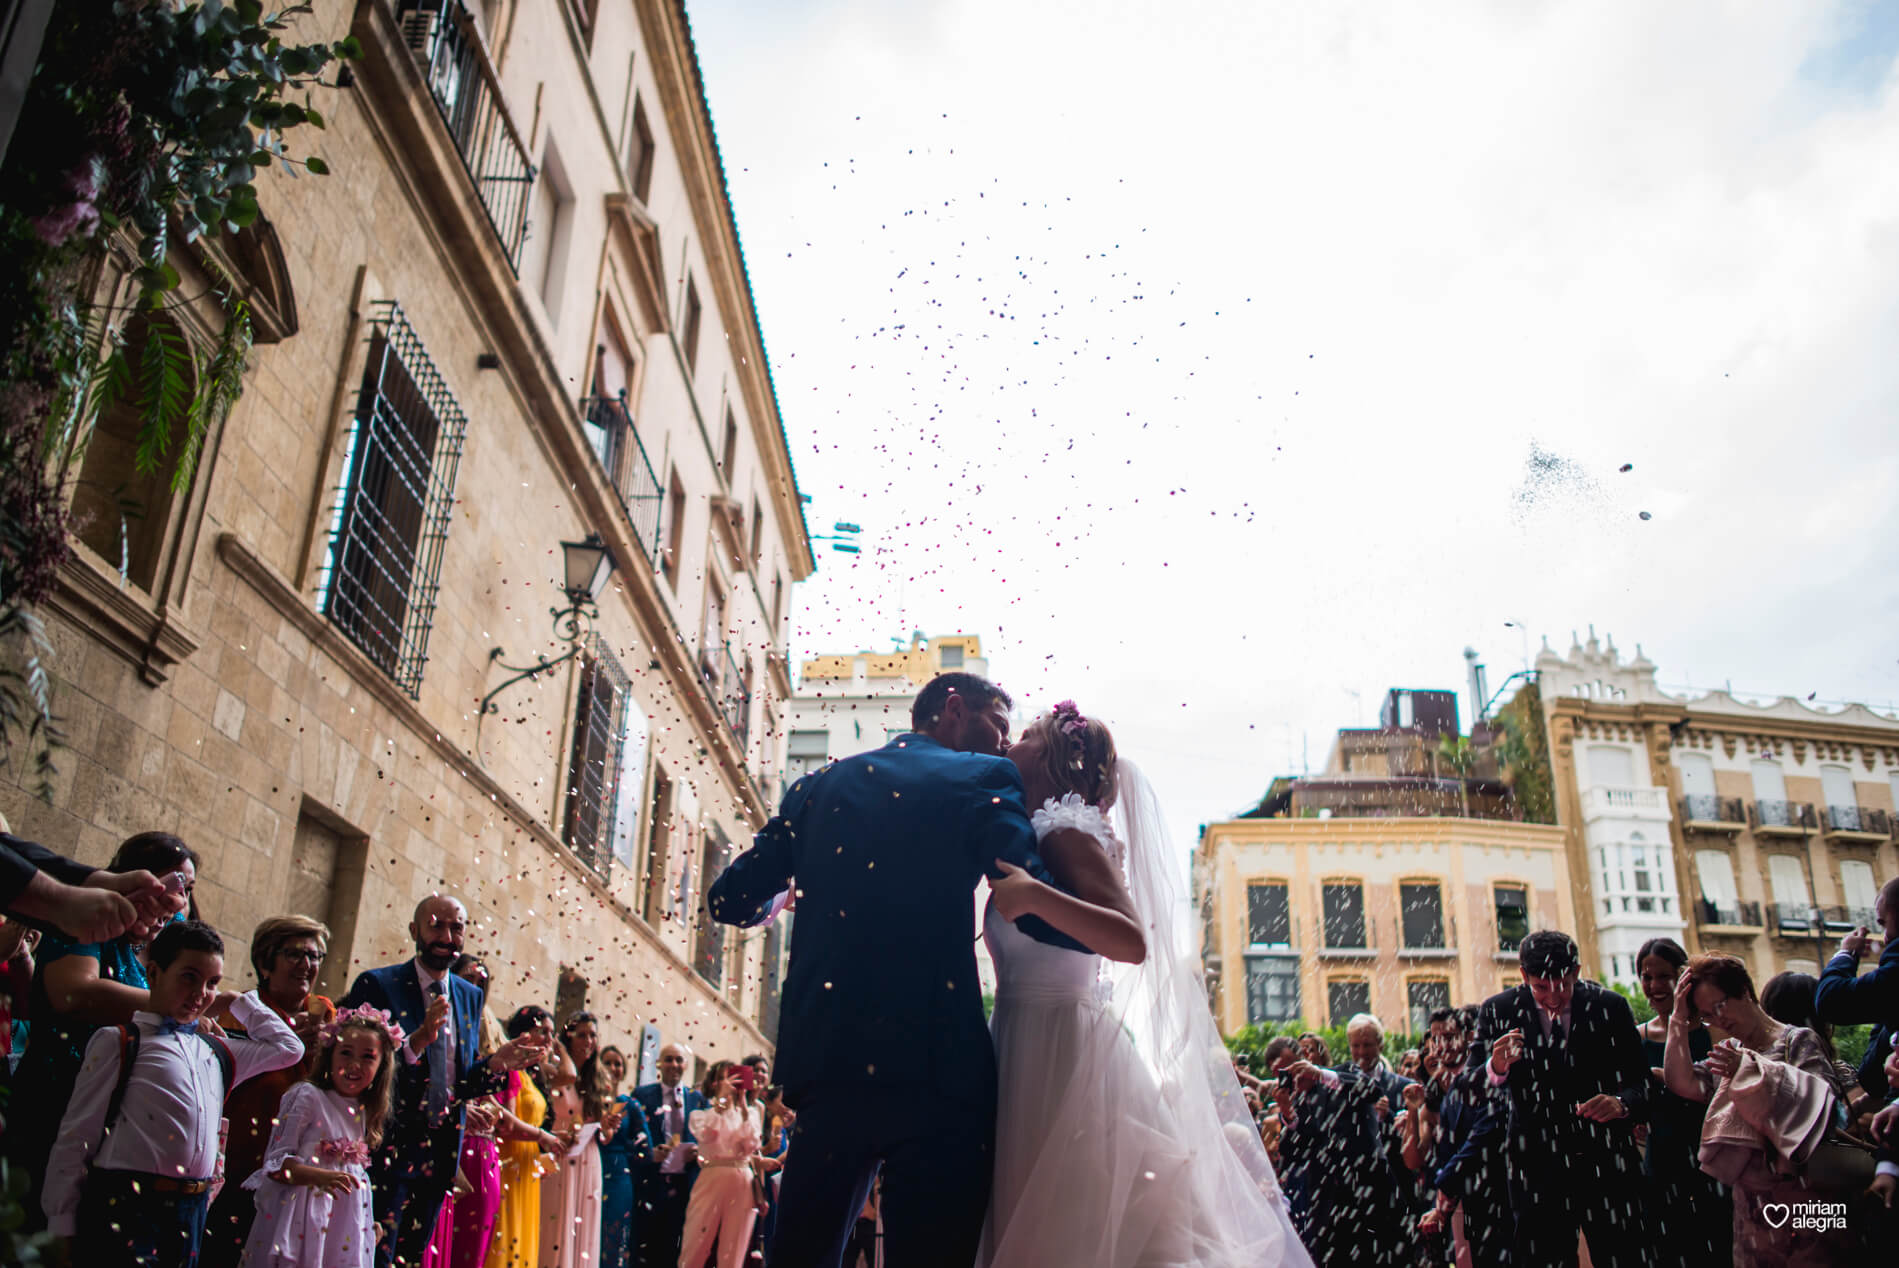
x=586 y=565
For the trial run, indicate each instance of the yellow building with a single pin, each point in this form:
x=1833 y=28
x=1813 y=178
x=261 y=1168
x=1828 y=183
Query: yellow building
x=516 y=315
x=1384 y=884
x=852 y=702
x=1760 y=829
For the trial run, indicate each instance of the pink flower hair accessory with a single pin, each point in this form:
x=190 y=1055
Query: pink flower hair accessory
x=366 y=1015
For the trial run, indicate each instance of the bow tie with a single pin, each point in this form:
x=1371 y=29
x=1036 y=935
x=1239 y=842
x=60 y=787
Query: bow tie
x=171 y=1026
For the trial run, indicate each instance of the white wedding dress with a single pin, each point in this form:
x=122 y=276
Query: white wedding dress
x=1122 y=1137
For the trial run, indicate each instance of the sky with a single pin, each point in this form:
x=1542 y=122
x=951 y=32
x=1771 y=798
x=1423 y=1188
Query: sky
x=1225 y=365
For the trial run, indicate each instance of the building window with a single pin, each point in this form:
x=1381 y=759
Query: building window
x=639 y=152
x=1344 y=1000
x=1268 y=916
x=544 y=264
x=1720 y=900
x=728 y=451
x=689 y=327
x=758 y=532
x=950 y=656
x=771 y=976
x=570 y=994
x=1423 y=998
x=379 y=577
x=712 y=650
x=660 y=838
x=1610 y=766
x=1272 y=988
x=1859 y=890
x=596 y=773
x=1794 y=908
x=675 y=531
x=1342 y=908
x=777 y=606
x=1421 y=908
x=1513 y=915
x=807 y=751
x=1647 y=880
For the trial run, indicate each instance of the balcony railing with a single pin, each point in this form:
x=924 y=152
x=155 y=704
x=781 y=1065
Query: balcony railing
x=1784 y=816
x=1706 y=808
x=616 y=442
x=1743 y=914
x=728 y=688
x=447 y=40
x=1840 y=919
x=1793 y=920
x=1627 y=798
x=1858 y=819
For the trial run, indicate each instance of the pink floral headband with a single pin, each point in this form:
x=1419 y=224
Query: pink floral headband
x=375 y=1018
x=1074 y=729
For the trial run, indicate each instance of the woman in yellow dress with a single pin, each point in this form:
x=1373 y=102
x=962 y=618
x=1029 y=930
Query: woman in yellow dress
x=522 y=1139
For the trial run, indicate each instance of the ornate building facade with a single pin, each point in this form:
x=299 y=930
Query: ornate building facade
x=1763 y=830
x=517 y=315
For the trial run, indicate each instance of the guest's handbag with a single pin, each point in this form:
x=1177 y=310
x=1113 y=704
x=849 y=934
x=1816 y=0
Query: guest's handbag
x=1841 y=1164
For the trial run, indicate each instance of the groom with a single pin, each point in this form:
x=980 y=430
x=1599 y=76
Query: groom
x=882 y=1048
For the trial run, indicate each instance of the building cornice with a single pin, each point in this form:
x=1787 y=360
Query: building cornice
x=676 y=71
x=1378 y=831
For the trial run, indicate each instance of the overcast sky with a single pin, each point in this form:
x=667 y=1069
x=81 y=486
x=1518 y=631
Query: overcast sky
x=1226 y=364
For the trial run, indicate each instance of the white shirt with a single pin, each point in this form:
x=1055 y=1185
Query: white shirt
x=168 y=1122
x=1544 y=1016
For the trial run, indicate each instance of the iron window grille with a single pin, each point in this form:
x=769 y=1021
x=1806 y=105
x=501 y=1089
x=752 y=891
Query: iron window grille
x=600 y=723
x=382 y=569
x=616 y=443
x=445 y=37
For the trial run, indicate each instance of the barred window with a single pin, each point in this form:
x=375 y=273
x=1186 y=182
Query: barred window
x=380 y=572
x=771 y=976
x=598 y=771
x=709 y=945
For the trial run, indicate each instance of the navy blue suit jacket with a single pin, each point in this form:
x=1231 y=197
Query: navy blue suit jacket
x=648 y=1097
x=1847 y=999
x=886 y=848
x=1467 y=1157
x=411 y=1147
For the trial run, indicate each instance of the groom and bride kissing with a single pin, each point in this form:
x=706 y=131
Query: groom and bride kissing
x=1095 y=1122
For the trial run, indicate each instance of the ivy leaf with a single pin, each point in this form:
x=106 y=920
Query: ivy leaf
x=317 y=166
x=311 y=117
x=349 y=47
x=252 y=11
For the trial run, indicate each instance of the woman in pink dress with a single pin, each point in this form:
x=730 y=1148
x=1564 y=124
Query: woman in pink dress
x=570 y=1194
x=721 y=1207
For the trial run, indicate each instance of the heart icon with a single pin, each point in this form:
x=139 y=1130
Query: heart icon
x=1776 y=1213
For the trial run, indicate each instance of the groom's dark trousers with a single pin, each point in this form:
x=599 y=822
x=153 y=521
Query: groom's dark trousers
x=882 y=1046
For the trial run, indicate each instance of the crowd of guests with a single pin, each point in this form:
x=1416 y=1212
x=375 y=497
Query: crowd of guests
x=405 y=1124
x=1723 y=1130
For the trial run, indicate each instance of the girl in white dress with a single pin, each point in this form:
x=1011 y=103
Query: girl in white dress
x=313 y=1198
x=1122 y=1137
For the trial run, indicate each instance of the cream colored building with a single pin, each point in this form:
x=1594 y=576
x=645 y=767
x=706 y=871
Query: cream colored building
x=1387 y=883
x=1317 y=919
x=853 y=702
x=516 y=314
x=1763 y=830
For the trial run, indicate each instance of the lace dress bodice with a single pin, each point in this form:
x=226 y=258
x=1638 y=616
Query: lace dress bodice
x=1028 y=970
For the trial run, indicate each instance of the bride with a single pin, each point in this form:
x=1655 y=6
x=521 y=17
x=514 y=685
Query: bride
x=1122 y=1138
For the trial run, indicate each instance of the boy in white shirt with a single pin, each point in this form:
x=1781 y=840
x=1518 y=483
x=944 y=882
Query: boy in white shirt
x=130 y=1175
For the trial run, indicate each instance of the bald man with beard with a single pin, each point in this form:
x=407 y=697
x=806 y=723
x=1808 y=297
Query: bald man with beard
x=440 y=1068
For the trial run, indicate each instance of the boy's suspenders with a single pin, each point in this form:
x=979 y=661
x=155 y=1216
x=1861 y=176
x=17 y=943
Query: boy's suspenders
x=128 y=1054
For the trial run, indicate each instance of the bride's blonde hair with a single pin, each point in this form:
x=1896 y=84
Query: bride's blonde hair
x=1077 y=753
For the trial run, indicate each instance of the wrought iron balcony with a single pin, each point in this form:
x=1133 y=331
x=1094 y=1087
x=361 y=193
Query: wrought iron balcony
x=445 y=37
x=1709 y=813
x=1791 y=920
x=730 y=693
x=616 y=443
x=1737 y=914
x=1858 y=822
x=1784 y=817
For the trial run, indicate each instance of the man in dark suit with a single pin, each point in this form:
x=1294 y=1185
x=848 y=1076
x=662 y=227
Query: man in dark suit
x=1466 y=1165
x=882 y=1048
x=1846 y=999
x=439 y=1068
x=1568 y=1055
x=664 y=1172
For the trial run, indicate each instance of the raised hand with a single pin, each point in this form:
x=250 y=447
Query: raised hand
x=1507 y=1051
x=518 y=1053
x=431 y=1026
x=1724 y=1060
x=1414 y=1096
x=1854 y=943
x=1684 y=998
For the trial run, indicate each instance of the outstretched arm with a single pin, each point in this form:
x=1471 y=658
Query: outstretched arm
x=747 y=892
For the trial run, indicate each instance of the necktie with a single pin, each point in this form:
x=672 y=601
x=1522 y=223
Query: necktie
x=438 y=1062
x=172 y=1027
x=1556 y=1031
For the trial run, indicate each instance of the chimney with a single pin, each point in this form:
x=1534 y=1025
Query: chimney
x=1479 y=692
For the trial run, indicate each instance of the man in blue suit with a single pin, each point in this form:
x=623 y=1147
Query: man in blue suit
x=438 y=1069
x=882 y=1047
x=1846 y=999
x=664 y=1172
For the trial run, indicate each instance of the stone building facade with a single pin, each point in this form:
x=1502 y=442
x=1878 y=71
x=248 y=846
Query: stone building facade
x=515 y=315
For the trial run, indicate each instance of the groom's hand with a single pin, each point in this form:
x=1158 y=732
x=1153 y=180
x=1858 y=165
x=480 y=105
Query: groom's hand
x=1016 y=893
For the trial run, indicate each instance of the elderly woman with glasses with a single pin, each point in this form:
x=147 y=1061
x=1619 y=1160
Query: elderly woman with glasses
x=287 y=954
x=1773 y=1115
